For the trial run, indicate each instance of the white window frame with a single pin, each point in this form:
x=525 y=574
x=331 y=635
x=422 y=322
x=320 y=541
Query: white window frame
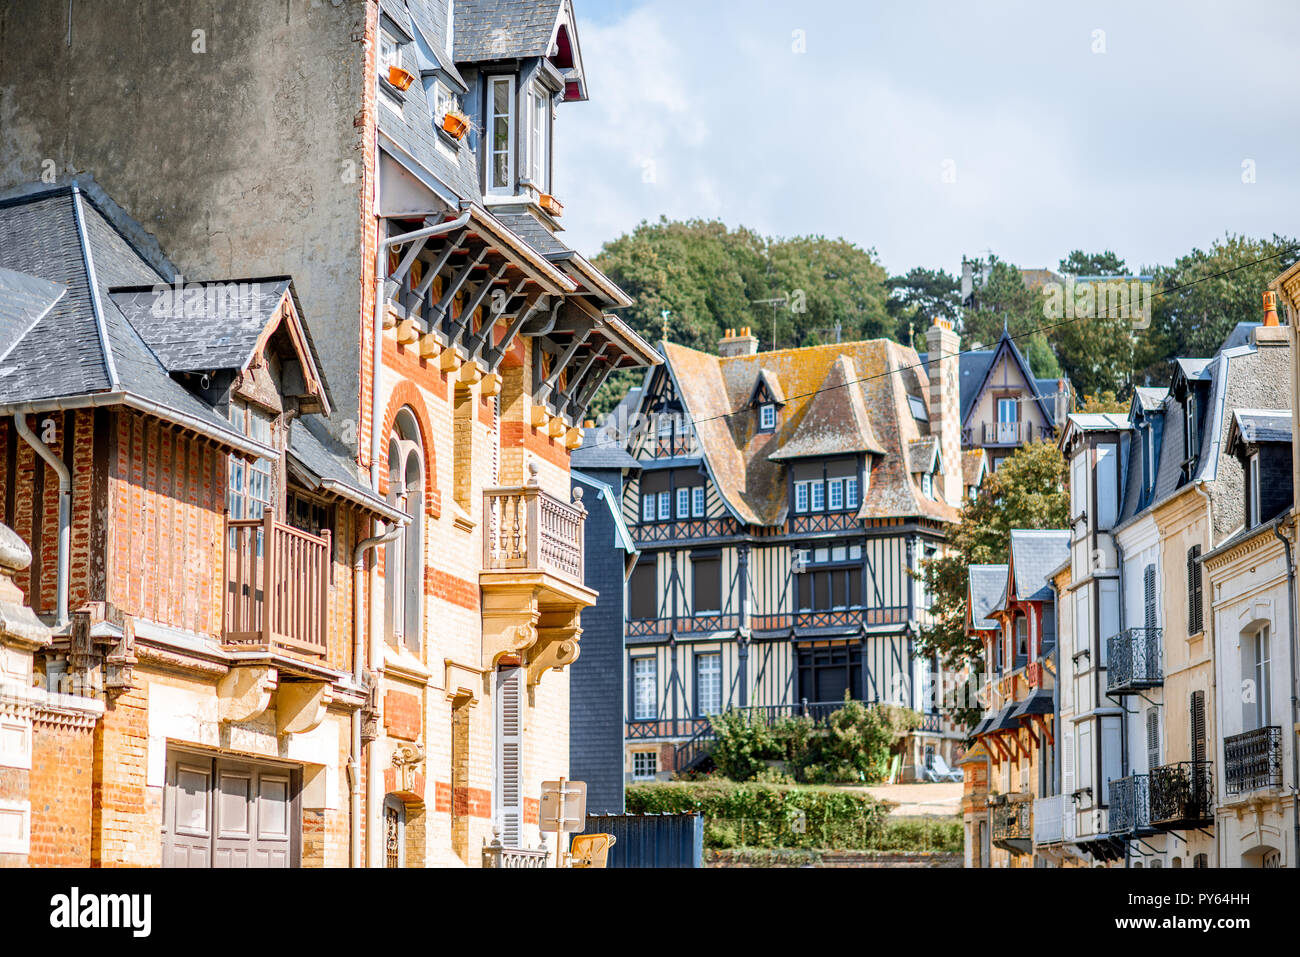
x=647 y=506
x=927 y=485
x=538 y=138
x=1262 y=659
x=801 y=496
x=645 y=765
x=684 y=503
x=713 y=661
x=835 y=494
x=851 y=492
x=645 y=680
x=818 y=497
x=493 y=150
x=1254 y=491
x=767 y=416
x=665 y=506
x=697 y=501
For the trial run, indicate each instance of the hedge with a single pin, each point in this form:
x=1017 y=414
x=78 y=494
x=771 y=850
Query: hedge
x=752 y=814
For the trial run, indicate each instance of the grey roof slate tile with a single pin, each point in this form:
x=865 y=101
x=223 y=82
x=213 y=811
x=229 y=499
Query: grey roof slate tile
x=1035 y=554
x=503 y=29
x=984 y=584
x=24 y=299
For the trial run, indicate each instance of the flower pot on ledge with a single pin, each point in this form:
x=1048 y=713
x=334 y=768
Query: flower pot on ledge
x=455 y=124
x=551 y=204
x=402 y=79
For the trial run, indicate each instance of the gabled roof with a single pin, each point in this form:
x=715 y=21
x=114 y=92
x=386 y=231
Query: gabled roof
x=1252 y=426
x=835 y=421
x=83 y=347
x=923 y=454
x=1035 y=553
x=840 y=399
x=503 y=29
x=768 y=383
x=1007 y=347
x=984 y=584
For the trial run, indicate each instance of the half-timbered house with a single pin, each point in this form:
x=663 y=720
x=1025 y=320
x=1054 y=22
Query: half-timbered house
x=781 y=502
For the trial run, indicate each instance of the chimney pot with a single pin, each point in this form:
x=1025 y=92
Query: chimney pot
x=1270 y=308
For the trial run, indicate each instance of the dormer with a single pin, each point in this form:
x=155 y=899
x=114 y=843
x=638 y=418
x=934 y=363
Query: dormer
x=766 y=400
x=396 y=69
x=1190 y=389
x=516 y=79
x=924 y=464
x=1260 y=439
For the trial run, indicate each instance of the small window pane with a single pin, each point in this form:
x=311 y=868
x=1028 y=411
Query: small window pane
x=836 y=487
x=850 y=493
x=697 y=501
x=818 y=496
x=648 y=507
x=665 y=506
x=683 y=503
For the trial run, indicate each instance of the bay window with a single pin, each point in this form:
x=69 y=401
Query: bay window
x=501 y=134
x=537 y=141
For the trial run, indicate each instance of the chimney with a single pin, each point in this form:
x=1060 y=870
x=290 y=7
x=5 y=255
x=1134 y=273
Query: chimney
x=1272 y=332
x=1061 y=408
x=733 y=344
x=942 y=343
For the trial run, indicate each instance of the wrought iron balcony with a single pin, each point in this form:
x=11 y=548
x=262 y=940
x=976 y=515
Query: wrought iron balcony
x=1130 y=806
x=1182 y=795
x=1133 y=661
x=1012 y=826
x=1253 y=760
x=277 y=586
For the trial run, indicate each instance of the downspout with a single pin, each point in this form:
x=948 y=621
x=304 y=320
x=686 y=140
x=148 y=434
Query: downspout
x=382 y=246
x=358 y=678
x=1295 y=705
x=65 y=509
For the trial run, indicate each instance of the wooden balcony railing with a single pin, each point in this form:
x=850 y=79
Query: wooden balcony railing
x=277 y=585
x=526 y=528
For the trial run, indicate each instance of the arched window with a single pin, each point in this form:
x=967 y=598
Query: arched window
x=404 y=557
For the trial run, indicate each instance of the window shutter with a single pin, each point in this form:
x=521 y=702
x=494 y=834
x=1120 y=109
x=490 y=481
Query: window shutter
x=1067 y=763
x=1153 y=738
x=1149 y=589
x=1194 y=619
x=1197 y=710
x=510 y=785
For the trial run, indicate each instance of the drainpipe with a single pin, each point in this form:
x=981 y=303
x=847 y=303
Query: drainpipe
x=65 y=509
x=358 y=677
x=1295 y=705
x=376 y=411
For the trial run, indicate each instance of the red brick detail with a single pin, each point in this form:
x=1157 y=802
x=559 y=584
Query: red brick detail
x=457 y=591
x=539 y=443
x=532 y=810
x=406 y=395
x=414 y=796
x=402 y=715
x=406 y=361
x=472 y=802
x=442 y=797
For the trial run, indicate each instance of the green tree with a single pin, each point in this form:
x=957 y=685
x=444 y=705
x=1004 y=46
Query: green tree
x=1097 y=352
x=917 y=297
x=1079 y=263
x=1027 y=491
x=1204 y=294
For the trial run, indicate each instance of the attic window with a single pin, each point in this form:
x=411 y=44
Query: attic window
x=927 y=485
x=1252 y=492
x=919 y=411
x=767 y=417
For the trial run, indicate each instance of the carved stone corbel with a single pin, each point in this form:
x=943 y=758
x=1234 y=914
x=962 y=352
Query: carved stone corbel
x=555 y=651
x=404 y=778
x=245 y=691
x=300 y=705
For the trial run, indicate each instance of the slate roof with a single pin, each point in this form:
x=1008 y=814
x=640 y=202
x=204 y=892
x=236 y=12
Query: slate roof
x=976 y=386
x=1041 y=701
x=24 y=299
x=1035 y=554
x=203 y=333
x=601 y=449
x=984 y=584
x=607 y=498
x=530 y=229
x=503 y=29
x=839 y=398
x=1252 y=426
x=921 y=453
x=974 y=463
x=320 y=468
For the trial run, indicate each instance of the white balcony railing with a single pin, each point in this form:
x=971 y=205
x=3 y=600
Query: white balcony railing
x=1049 y=819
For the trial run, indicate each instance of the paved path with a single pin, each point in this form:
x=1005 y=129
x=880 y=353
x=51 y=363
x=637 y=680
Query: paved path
x=912 y=800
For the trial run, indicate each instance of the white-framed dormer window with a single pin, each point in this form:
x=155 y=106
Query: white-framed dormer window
x=835 y=492
x=697 y=501
x=501 y=134
x=538 y=137
x=801 y=496
x=851 y=493
x=388 y=45
x=767 y=416
x=683 y=503
x=1252 y=492
x=927 y=485
x=665 y=506
x=818 y=496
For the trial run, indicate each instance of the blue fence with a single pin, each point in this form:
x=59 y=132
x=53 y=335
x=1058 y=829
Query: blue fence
x=652 y=840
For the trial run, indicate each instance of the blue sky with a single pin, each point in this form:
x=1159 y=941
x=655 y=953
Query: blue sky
x=933 y=130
